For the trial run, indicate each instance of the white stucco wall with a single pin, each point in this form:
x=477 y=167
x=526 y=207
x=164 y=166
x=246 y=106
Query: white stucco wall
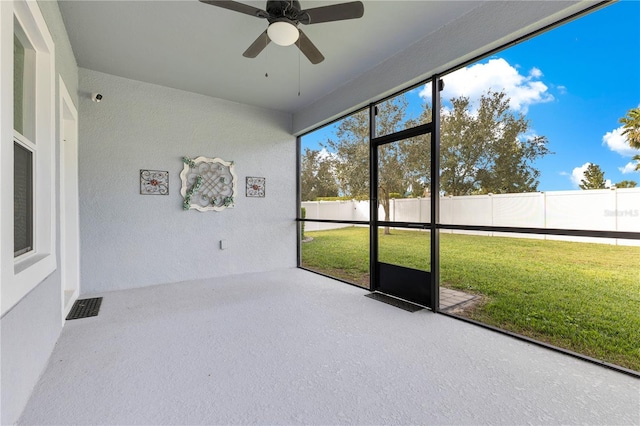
x=31 y=328
x=29 y=333
x=130 y=240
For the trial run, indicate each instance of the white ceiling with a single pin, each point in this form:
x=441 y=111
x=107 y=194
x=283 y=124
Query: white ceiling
x=196 y=47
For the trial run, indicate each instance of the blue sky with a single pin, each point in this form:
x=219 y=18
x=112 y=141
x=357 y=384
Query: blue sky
x=592 y=69
x=573 y=83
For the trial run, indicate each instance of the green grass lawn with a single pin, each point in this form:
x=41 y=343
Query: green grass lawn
x=579 y=296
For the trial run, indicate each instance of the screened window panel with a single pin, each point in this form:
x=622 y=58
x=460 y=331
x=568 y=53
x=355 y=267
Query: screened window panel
x=24 y=90
x=22 y=200
x=18 y=85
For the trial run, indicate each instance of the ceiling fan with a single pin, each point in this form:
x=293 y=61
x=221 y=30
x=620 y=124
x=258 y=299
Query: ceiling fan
x=284 y=16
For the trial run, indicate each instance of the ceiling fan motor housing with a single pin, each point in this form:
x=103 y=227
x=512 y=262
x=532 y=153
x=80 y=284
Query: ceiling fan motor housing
x=278 y=9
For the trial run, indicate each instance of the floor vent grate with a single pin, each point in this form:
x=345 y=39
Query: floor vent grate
x=85 y=308
x=398 y=303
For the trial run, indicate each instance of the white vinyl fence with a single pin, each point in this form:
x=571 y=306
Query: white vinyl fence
x=598 y=210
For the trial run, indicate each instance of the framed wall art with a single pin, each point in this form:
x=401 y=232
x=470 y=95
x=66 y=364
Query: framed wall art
x=154 y=182
x=208 y=184
x=255 y=186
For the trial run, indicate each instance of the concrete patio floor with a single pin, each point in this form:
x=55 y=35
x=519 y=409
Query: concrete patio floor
x=293 y=347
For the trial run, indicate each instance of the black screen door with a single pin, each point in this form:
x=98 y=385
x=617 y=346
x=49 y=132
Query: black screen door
x=402 y=220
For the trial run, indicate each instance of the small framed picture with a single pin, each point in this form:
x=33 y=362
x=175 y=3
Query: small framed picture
x=255 y=186
x=154 y=182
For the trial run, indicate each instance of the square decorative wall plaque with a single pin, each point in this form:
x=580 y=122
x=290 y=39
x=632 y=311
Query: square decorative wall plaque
x=255 y=186
x=208 y=184
x=154 y=182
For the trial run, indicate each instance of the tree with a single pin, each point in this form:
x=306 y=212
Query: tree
x=481 y=151
x=631 y=125
x=484 y=152
x=325 y=179
x=316 y=176
x=626 y=184
x=350 y=155
x=395 y=160
x=403 y=167
x=593 y=178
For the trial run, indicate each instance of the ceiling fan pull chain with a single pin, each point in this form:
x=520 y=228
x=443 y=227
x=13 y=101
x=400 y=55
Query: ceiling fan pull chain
x=266 y=55
x=299 y=54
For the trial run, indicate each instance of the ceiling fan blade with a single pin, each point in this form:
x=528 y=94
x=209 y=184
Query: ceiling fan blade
x=257 y=46
x=309 y=49
x=238 y=7
x=336 y=12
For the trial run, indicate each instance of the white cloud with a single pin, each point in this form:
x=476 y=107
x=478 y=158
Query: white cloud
x=578 y=174
x=530 y=135
x=630 y=167
x=535 y=72
x=496 y=75
x=324 y=154
x=563 y=173
x=617 y=142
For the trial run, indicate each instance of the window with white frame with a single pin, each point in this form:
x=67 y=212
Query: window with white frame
x=24 y=140
x=27 y=251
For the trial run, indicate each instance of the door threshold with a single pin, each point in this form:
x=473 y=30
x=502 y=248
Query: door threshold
x=394 y=301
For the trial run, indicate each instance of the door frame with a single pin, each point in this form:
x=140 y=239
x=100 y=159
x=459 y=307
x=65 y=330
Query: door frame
x=69 y=204
x=432 y=296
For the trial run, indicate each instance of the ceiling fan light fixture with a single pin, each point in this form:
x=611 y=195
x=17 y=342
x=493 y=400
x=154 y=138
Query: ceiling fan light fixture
x=283 y=33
